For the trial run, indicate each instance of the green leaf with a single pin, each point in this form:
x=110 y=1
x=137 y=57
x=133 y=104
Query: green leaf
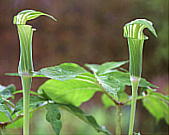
x=85 y=117
x=164 y=98
x=63 y=71
x=93 y=67
x=111 y=85
x=4 y=111
x=74 y=91
x=35 y=102
x=121 y=97
x=6 y=91
x=110 y=65
x=158 y=105
x=111 y=80
x=26 y=15
x=17 y=124
x=124 y=79
x=53 y=116
x=3 y=118
x=105 y=67
x=107 y=101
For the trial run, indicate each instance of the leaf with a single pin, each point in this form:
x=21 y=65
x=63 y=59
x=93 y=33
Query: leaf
x=35 y=102
x=17 y=124
x=63 y=71
x=4 y=112
x=105 y=67
x=158 y=105
x=107 y=101
x=93 y=67
x=74 y=91
x=110 y=65
x=3 y=118
x=122 y=97
x=164 y=98
x=6 y=91
x=53 y=116
x=110 y=85
x=26 y=15
x=85 y=117
x=124 y=79
x=111 y=80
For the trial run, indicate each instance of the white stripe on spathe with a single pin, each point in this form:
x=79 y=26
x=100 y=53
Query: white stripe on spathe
x=24 y=16
x=135 y=28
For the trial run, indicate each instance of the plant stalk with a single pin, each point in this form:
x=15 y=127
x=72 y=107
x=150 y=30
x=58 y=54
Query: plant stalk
x=134 y=82
x=26 y=85
x=1 y=132
x=118 y=120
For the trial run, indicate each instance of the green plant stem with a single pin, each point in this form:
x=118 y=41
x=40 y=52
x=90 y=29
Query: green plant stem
x=135 y=83
x=26 y=85
x=118 y=120
x=1 y=131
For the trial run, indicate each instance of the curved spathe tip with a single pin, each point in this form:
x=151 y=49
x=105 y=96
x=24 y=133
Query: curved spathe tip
x=134 y=29
x=26 y=15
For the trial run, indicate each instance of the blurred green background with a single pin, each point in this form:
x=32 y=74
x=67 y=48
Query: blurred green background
x=88 y=31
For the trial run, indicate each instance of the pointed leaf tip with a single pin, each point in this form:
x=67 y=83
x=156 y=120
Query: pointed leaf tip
x=134 y=29
x=26 y=15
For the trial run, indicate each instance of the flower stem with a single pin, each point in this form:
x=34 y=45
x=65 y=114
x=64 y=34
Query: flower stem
x=134 y=82
x=26 y=85
x=118 y=120
x=1 y=131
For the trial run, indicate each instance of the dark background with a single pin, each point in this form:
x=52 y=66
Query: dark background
x=87 y=31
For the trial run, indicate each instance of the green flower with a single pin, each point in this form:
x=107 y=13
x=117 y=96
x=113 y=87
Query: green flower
x=133 y=31
x=25 y=33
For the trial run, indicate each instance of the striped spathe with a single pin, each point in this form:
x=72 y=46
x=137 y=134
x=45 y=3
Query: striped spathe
x=26 y=15
x=135 y=28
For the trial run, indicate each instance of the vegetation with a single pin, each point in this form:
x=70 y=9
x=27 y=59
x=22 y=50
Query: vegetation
x=69 y=84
